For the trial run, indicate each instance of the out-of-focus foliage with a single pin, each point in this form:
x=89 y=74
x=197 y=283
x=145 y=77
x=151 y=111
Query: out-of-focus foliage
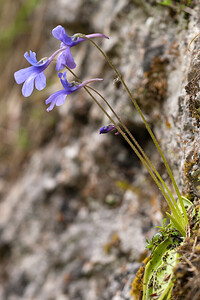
x=24 y=124
x=11 y=27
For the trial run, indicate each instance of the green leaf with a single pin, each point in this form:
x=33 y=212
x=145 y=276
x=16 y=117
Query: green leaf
x=159 y=270
x=176 y=224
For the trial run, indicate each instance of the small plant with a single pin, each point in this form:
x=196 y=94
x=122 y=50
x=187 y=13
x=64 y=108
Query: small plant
x=171 y=234
x=176 y=4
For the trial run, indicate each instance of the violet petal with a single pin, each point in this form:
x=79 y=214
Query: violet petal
x=31 y=58
x=23 y=74
x=57 y=98
x=65 y=59
x=60 y=34
x=106 y=129
x=28 y=86
x=40 y=81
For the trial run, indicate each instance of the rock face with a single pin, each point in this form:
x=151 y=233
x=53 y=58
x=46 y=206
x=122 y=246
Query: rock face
x=74 y=218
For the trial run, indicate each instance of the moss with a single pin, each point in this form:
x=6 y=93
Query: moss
x=191 y=174
x=172 y=264
x=192 y=88
x=154 y=85
x=137 y=284
x=177 y=7
x=187 y=272
x=114 y=243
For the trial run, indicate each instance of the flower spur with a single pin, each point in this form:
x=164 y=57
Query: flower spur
x=65 y=58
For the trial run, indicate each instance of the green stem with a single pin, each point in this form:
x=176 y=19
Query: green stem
x=140 y=149
x=194 y=38
x=172 y=208
x=146 y=124
x=166 y=196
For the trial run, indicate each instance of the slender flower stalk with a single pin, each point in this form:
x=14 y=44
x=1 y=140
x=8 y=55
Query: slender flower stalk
x=34 y=75
x=178 y=219
x=147 y=126
x=141 y=151
x=179 y=224
x=194 y=38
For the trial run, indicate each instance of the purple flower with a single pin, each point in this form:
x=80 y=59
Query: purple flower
x=108 y=128
x=65 y=58
x=58 y=98
x=33 y=74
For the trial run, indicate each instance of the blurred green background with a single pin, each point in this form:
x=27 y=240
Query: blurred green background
x=23 y=127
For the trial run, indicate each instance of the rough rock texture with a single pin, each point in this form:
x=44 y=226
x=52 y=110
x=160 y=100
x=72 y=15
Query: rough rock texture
x=74 y=217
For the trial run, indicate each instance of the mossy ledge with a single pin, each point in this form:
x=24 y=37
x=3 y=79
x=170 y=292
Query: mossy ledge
x=184 y=275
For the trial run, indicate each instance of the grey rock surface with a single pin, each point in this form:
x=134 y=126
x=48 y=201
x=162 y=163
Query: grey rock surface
x=73 y=224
